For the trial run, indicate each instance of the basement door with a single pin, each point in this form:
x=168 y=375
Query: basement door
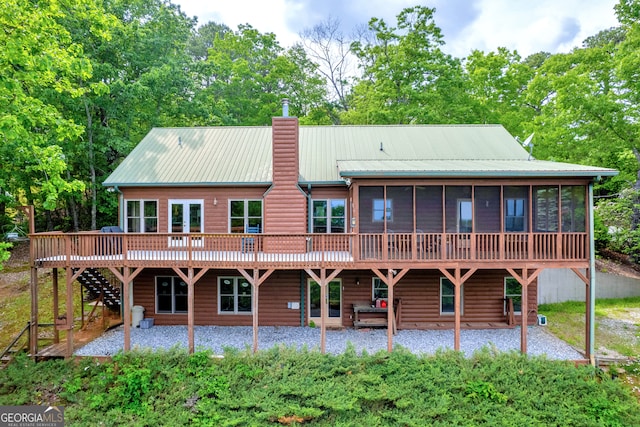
x=333 y=315
x=185 y=216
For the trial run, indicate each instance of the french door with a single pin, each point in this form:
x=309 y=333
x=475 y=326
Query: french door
x=185 y=216
x=333 y=313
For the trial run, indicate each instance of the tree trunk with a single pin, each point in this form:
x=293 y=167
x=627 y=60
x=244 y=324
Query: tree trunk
x=92 y=166
x=73 y=208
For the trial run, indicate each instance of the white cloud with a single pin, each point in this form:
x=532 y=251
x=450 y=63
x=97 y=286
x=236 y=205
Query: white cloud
x=522 y=25
x=530 y=27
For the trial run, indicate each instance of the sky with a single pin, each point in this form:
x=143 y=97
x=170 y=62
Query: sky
x=528 y=26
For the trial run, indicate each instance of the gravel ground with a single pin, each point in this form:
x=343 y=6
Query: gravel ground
x=216 y=338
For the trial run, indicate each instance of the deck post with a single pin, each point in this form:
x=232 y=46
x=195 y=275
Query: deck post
x=126 y=308
x=254 y=309
x=390 y=314
x=56 y=305
x=70 y=315
x=524 y=312
x=190 y=310
x=456 y=309
x=323 y=310
x=33 y=328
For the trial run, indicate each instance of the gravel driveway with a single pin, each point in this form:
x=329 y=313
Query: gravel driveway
x=216 y=338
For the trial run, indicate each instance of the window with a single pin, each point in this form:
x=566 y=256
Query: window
x=244 y=214
x=234 y=295
x=545 y=208
x=380 y=289
x=514 y=218
x=513 y=290
x=171 y=295
x=329 y=216
x=379 y=210
x=447 y=296
x=142 y=216
x=573 y=208
x=465 y=216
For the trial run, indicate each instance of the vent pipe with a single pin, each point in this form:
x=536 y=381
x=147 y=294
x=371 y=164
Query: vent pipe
x=285 y=107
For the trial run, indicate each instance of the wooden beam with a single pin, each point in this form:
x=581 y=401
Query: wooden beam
x=56 y=305
x=126 y=309
x=582 y=277
x=70 y=315
x=190 y=310
x=457 y=307
x=254 y=309
x=33 y=326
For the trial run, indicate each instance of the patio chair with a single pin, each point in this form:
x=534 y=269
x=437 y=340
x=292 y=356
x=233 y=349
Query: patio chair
x=249 y=243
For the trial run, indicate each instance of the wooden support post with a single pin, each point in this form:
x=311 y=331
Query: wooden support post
x=323 y=280
x=82 y=309
x=525 y=279
x=254 y=308
x=323 y=310
x=33 y=328
x=390 y=314
x=70 y=315
x=56 y=305
x=126 y=308
x=524 y=313
x=458 y=280
x=190 y=311
x=457 y=306
x=255 y=280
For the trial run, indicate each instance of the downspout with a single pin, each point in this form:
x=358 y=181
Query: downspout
x=592 y=274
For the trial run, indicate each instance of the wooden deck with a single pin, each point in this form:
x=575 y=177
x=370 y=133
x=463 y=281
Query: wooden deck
x=414 y=250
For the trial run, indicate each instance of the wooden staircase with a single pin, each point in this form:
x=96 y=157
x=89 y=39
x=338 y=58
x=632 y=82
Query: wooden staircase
x=18 y=344
x=99 y=287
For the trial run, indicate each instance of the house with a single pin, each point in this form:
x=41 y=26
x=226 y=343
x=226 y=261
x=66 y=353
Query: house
x=420 y=226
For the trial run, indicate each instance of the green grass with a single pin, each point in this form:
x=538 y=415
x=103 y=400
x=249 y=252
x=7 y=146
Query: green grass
x=16 y=309
x=567 y=321
x=283 y=386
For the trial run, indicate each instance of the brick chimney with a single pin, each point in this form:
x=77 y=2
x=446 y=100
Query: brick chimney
x=285 y=203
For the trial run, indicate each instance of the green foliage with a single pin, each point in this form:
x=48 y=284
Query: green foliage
x=291 y=387
x=4 y=252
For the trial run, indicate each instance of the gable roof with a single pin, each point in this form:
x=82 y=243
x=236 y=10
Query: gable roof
x=328 y=154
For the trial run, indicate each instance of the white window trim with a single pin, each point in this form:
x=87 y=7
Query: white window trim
x=328 y=216
x=236 y=282
x=446 y=313
x=141 y=217
x=173 y=297
x=185 y=202
x=245 y=213
x=504 y=292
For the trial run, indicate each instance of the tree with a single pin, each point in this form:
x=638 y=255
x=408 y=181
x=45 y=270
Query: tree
x=327 y=46
x=582 y=117
x=140 y=80
x=497 y=84
x=407 y=78
x=246 y=76
x=40 y=57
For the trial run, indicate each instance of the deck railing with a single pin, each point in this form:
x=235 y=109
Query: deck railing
x=94 y=249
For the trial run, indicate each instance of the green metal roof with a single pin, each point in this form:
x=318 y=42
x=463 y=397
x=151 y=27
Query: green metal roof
x=328 y=154
x=466 y=168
